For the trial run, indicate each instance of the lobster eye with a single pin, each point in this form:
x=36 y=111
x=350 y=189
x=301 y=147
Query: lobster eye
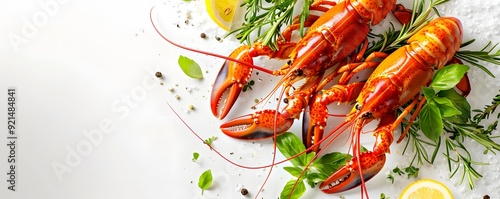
x=357 y=106
x=289 y=62
x=285 y=100
x=299 y=72
x=367 y=115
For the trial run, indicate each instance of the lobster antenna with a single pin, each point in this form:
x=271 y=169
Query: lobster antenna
x=204 y=52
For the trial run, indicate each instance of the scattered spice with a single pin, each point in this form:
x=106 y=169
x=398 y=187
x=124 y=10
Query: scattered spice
x=170 y=89
x=177 y=97
x=244 y=191
x=486 y=197
x=217 y=38
x=203 y=35
x=186 y=21
x=191 y=107
x=158 y=74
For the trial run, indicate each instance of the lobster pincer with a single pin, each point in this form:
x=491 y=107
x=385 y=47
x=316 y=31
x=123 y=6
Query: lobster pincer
x=230 y=81
x=266 y=123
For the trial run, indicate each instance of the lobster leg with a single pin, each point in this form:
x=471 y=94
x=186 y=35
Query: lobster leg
x=316 y=115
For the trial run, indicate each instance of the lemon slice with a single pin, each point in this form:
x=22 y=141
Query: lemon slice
x=222 y=12
x=426 y=188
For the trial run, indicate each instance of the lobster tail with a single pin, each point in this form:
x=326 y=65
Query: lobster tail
x=437 y=42
x=373 y=11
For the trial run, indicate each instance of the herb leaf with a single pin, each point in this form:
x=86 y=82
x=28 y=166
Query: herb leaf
x=209 y=140
x=448 y=76
x=205 y=180
x=289 y=145
x=330 y=162
x=195 y=156
x=446 y=107
x=431 y=122
x=298 y=190
x=190 y=67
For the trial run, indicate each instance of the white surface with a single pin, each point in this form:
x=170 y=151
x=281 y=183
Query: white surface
x=89 y=65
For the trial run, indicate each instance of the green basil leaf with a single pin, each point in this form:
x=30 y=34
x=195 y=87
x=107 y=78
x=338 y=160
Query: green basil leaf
x=294 y=171
x=448 y=76
x=429 y=93
x=446 y=107
x=298 y=190
x=431 y=122
x=289 y=145
x=315 y=178
x=195 y=156
x=205 y=180
x=460 y=102
x=331 y=162
x=190 y=67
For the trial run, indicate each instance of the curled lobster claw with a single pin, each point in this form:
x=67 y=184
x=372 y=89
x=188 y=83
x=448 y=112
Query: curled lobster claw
x=231 y=79
x=348 y=176
x=259 y=125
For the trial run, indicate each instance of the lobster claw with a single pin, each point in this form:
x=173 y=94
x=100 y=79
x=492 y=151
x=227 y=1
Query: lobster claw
x=349 y=176
x=259 y=125
x=231 y=79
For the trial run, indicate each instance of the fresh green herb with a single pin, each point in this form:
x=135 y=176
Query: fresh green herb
x=248 y=85
x=485 y=54
x=410 y=171
x=457 y=124
x=382 y=196
x=195 y=156
x=209 y=141
x=267 y=19
x=190 y=67
x=313 y=173
x=205 y=180
x=438 y=107
x=293 y=187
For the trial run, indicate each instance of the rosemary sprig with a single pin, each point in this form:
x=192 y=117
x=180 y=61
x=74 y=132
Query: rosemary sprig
x=266 y=19
x=486 y=54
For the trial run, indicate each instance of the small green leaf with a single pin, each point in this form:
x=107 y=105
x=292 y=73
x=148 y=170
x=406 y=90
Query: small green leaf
x=460 y=102
x=398 y=171
x=190 y=67
x=429 y=93
x=431 y=122
x=205 y=180
x=412 y=171
x=315 y=178
x=298 y=190
x=390 y=177
x=331 y=162
x=195 y=156
x=289 y=145
x=210 y=140
x=448 y=76
x=294 y=171
x=446 y=107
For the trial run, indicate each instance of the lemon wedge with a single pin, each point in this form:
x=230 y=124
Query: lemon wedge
x=426 y=188
x=222 y=12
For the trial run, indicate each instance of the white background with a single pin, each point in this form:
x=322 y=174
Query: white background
x=88 y=103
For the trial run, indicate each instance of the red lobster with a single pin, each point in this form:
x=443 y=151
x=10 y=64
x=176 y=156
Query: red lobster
x=396 y=81
x=329 y=41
